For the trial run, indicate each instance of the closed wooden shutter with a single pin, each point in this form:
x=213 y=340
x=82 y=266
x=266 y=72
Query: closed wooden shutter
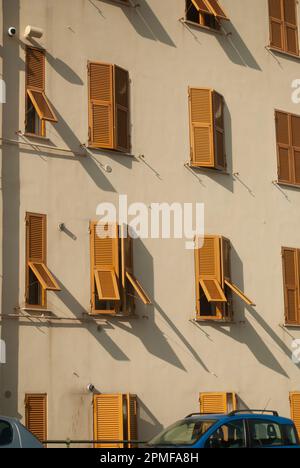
x=121 y=101
x=295 y=409
x=219 y=132
x=36 y=248
x=104 y=262
x=213 y=403
x=132 y=419
x=290 y=25
x=101 y=128
x=290 y=258
x=209 y=258
x=201 y=127
x=284 y=150
x=36 y=415
x=295 y=137
x=108 y=420
x=276 y=16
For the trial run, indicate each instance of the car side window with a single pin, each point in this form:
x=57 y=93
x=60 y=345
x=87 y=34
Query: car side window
x=230 y=435
x=6 y=433
x=265 y=433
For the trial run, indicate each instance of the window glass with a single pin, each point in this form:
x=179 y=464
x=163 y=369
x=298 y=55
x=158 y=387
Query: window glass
x=183 y=433
x=265 y=433
x=231 y=435
x=6 y=433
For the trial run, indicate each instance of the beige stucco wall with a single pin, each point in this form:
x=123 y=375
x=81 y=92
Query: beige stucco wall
x=163 y=357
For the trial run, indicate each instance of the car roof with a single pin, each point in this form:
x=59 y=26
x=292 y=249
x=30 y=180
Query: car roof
x=9 y=419
x=228 y=417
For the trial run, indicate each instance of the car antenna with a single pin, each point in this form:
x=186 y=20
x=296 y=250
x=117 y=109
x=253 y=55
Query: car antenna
x=267 y=404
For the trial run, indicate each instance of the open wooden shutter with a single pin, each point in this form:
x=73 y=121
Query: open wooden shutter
x=104 y=262
x=36 y=415
x=216 y=9
x=295 y=137
x=217 y=403
x=219 y=132
x=132 y=419
x=209 y=258
x=291 y=266
x=201 y=127
x=108 y=420
x=284 y=150
x=239 y=293
x=276 y=17
x=121 y=105
x=36 y=247
x=101 y=131
x=290 y=26
x=202 y=6
x=295 y=409
x=35 y=84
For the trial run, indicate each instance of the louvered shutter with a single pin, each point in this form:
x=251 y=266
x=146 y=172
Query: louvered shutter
x=217 y=9
x=35 y=69
x=291 y=285
x=201 y=6
x=101 y=132
x=276 y=24
x=132 y=419
x=290 y=25
x=108 y=420
x=213 y=403
x=104 y=262
x=284 y=151
x=295 y=409
x=121 y=101
x=295 y=136
x=36 y=415
x=209 y=258
x=201 y=127
x=219 y=132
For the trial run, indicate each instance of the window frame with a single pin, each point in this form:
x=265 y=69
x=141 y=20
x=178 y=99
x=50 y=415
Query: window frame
x=284 y=24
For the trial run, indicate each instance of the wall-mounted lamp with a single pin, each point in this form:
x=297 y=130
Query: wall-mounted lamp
x=33 y=31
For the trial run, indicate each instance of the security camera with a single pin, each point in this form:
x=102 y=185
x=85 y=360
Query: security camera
x=12 y=31
x=90 y=387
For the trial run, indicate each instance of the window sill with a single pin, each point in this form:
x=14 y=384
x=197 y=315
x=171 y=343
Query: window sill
x=283 y=52
x=201 y=26
x=287 y=184
x=107 y=316
x=109 y=151
x=211 y=170
x=213 y=322
x=291 y=325
x=37 y=310
x=36 y=137
x=119 y=2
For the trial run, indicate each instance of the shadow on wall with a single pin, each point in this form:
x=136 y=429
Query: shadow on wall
x=235 y=48
x=146 y=23
x=10 y=217
x=148 y=425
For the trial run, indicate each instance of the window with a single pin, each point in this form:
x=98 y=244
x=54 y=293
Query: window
x=291 y=263
x=207 y=13
x=217 y=403
x=214 y=287
x=229 y=436
x=38 y=277
x=36 y=415
x=207 y=135
x=283 y=26
x=184 y=432
x=115 y=419
x=266 y=433
x=295 y=409
x=6 y=433
x=38 y=108
x=288 y=147
x=109 y=121
x=113 y=284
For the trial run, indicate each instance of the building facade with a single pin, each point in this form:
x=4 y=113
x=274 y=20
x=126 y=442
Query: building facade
x=171 y=101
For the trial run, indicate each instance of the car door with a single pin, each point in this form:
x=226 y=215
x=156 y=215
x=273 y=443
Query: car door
x=231 y=434
x=266 y=433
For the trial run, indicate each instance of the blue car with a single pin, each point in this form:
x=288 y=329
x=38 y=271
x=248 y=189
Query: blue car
x=14 y=435
x=238 y=429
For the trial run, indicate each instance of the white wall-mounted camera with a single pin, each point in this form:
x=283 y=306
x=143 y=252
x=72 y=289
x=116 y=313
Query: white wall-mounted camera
x=90 y=387
x=12 y=31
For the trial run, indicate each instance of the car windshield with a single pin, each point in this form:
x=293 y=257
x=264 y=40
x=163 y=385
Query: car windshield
x=184 y=432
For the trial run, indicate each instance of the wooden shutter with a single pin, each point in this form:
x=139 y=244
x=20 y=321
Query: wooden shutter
x=291 y=265
x=104 y=262
x=36 y=415
x=36 y=247
x=239 y=293
x=290 y=26
x=108 y=420
x=101 y=131
x=209 y=269
x=216 y=402
x=295 y=409
x=132 y=419
x=219 y=132
x=217 y=10
x=276 y=24
x=202 y=6
x=284 y=150
x=201 y=127
x=121 y=112
x=295 y=138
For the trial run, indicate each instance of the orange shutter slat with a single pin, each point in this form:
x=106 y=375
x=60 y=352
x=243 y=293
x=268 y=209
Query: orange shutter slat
x=219 y=131
x=121 y=102
x=276 y=24
x=295 y=409
x=108 y=420
x=290 y=25
x=284 y=149
x=35 y=69
x=132 y=419
x=36 y=415
x=291 y=285
x=201 y=127
x=36 y=237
